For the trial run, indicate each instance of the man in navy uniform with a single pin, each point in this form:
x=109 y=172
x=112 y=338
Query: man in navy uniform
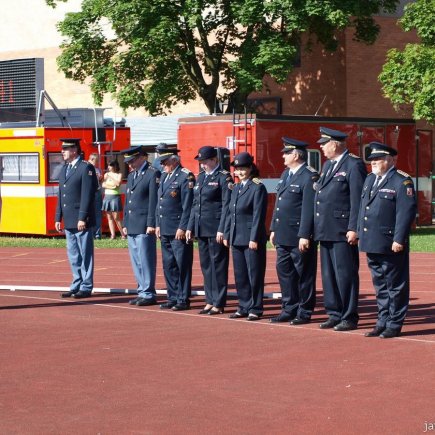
x=174 y=202
x=336 y=207
x=76 y=207
x=387 y=211
x=139 y=224
x=211 y=198
x=292 y=229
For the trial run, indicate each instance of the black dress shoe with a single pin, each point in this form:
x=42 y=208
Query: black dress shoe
x=330 y=323
x=345 y=325
x=215 y=311
x=390 y=333
x=299 y=321
x=81 y=294
x=133 y=301
x=180 y=307
x=205 y=310
x=167 y=305
x=144 y=302
x=67 y=294
x=282 y=317
x=237 y=315
x=375 y=332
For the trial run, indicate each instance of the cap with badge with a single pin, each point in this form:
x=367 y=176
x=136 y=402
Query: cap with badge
x=164 y=150
x=242 y=159
x=133 y=153
x=330 y=134
x=291 y=144
x=379 y=150
x=68 y=143
x=206 y=152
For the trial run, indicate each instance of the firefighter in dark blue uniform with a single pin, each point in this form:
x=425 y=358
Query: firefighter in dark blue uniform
x=292 y=229
x=387 y=211
x=174 y=202
x=207 y=222
x=336 y=207
x=76 y=207
x=140 y=221
x=245 y=231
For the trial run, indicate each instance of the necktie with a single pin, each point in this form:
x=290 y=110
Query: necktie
x=135 y=175
x=289 y=177
x=68 y=169
x=375 y=184
x=168 y=177
x=331 y=168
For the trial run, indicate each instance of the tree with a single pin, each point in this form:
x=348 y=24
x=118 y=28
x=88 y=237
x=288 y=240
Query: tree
x=161 y=52
x=408 y=75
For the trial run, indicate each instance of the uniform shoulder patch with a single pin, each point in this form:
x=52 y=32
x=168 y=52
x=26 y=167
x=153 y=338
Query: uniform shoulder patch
x=256 y=181
x=354 y=156
x=185 y=170
x=404 y=174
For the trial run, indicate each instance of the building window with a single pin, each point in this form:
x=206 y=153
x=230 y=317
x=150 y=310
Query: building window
x=20 y=168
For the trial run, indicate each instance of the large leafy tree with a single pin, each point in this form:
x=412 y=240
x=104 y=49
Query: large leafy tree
x=408 y=76
x=160 y=52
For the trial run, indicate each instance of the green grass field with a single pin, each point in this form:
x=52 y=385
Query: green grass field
x=422 y=240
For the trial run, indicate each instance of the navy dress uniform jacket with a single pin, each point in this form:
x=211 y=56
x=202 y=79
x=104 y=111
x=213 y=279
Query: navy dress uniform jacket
x=141 y=200
x=76 y=197
x=337 y=199
x=211 y=197
x=174 y=201
x=386 y=215
x=294 y=206
x=246 y=214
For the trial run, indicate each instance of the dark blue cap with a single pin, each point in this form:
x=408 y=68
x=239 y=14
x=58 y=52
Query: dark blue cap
x=330 y=134
x=67 y=143
x=164 y=150
x=291 y=144
x=242 y=159
x=380 y=150
x=207 y=152
x=134 y=152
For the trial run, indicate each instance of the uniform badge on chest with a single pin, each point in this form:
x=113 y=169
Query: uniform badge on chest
x=173 y=193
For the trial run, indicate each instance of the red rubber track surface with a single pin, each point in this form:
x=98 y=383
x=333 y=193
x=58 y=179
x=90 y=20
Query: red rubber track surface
x=102 y=366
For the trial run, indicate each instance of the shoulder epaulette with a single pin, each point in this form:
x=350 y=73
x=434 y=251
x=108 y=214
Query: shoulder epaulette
x=152 y=168
x=256 y=181
x=354 y=156
x=224 y=171
x=404 y=174
x=310 y=168
x=185 y=170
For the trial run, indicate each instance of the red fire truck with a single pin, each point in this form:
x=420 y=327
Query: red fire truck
x=31 y=160
x=261 y=136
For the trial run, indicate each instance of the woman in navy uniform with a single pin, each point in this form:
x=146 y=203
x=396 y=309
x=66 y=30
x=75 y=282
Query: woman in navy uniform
x=245 y=231
x=207 y=221
x=140 y=221
x=76 y=207
x=292 y=229
x=174 y=202
x=387 y=211
x=336 y=206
